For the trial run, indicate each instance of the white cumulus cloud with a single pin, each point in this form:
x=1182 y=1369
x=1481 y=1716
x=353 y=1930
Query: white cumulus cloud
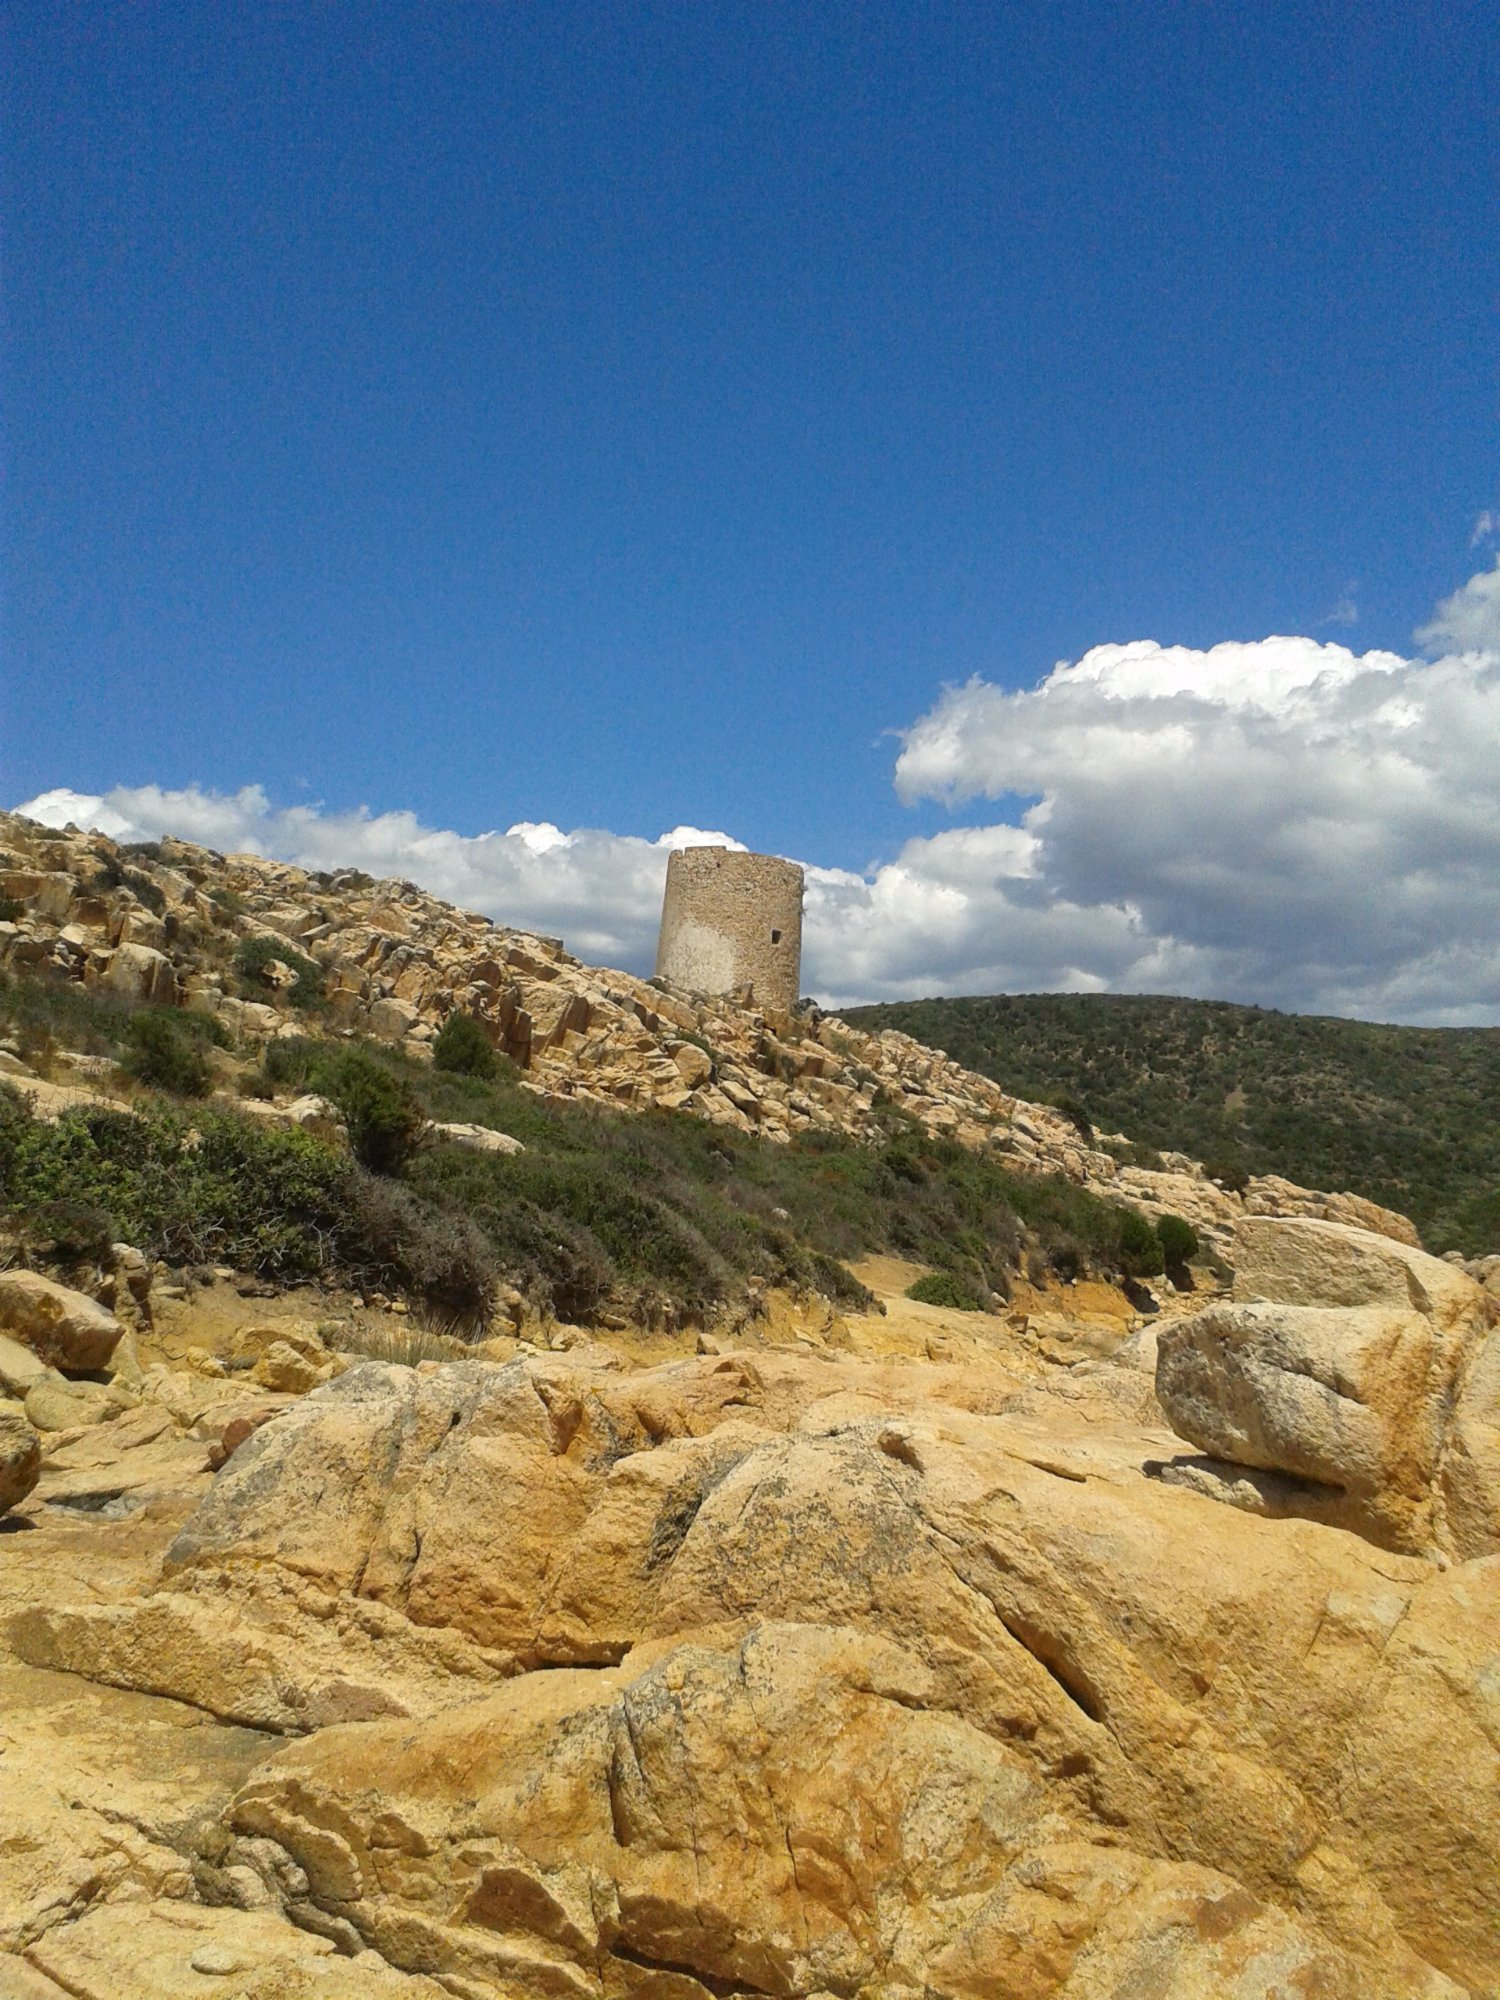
x=1469 y=620
x=1282 y=821
x=601 y=891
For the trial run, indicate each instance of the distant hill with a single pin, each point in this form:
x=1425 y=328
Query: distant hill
x=1409 y=1117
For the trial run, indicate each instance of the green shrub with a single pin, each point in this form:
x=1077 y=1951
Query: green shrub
x=45 y=1014
x=73 y=1232
x=160 y=1052
x=947 y=1288
x=1229 y=1171
x=1066 y=1258
x=15 y=1123
x=224 y=1190
x=1178 y=1240
x=115 y=872
x=1140 y=1251
x=463 y=1047
x=11 y=907
x=382 y=1114
x=290 y=1062
x=254 y=954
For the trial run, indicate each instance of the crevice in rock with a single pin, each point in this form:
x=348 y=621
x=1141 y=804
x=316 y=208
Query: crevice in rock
x=1048 y=1656
x=610 y=1653
x=722 y=1989
x=1057 y=1471
x=63 y=1984
x=340 y=1933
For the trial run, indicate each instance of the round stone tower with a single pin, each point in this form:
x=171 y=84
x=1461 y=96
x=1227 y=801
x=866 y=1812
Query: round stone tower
x=731 y=920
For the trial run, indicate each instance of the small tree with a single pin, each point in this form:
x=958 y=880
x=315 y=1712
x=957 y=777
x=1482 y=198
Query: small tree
x=1179 y=1242
x=382 y=1115
x=463 y=1047
x=158 y=1052
x=1139 y=1247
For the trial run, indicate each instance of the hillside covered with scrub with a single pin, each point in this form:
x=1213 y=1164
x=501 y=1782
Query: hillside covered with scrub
x=595 y=1213
x=1403 y=1116
x=225 y=1062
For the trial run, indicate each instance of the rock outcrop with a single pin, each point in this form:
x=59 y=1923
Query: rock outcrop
x=20 y=1456
x=884 y=1659
x=1361 y=1374
x=793 y=1675
x=63 y=1328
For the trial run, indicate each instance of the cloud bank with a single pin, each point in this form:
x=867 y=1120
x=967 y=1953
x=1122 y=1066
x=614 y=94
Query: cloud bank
x=1280 y=821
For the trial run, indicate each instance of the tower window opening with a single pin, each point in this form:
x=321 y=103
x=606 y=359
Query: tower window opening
x=776 y=937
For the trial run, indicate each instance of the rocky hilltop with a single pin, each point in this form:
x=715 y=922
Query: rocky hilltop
x=160 y=925
x=891 y=1653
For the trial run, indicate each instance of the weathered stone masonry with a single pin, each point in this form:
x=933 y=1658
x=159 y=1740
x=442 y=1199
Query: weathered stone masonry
x=730 y=921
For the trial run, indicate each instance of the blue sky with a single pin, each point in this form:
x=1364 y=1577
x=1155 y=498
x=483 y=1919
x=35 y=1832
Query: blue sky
x=630 y=416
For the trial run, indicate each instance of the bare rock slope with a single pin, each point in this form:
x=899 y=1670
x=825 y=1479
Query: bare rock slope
x=796 y=1674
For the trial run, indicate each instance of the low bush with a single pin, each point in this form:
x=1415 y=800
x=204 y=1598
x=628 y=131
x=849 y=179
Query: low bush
x=15 y=1124
x=1178 y=1240
x=254 y=955
x=115 y=872
x=71 y=1232
x=1140 y=1250
x=290 y=1062
x=379 y=1108
x=46 y=1014
x=463 y=1046
x=390 y=1240
x=161 y=1052
x=222 y=1190
x=947 y=1288
x=1066 y=1258
x=1229 y=1171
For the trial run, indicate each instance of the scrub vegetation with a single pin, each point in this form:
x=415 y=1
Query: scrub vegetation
x=1403 y=1116
x=657 y=1214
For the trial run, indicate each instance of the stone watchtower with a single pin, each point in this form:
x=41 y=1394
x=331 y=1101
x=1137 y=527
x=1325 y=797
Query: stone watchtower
x=731 y=920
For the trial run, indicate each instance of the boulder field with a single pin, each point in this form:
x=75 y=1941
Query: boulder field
x=799 y=1670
